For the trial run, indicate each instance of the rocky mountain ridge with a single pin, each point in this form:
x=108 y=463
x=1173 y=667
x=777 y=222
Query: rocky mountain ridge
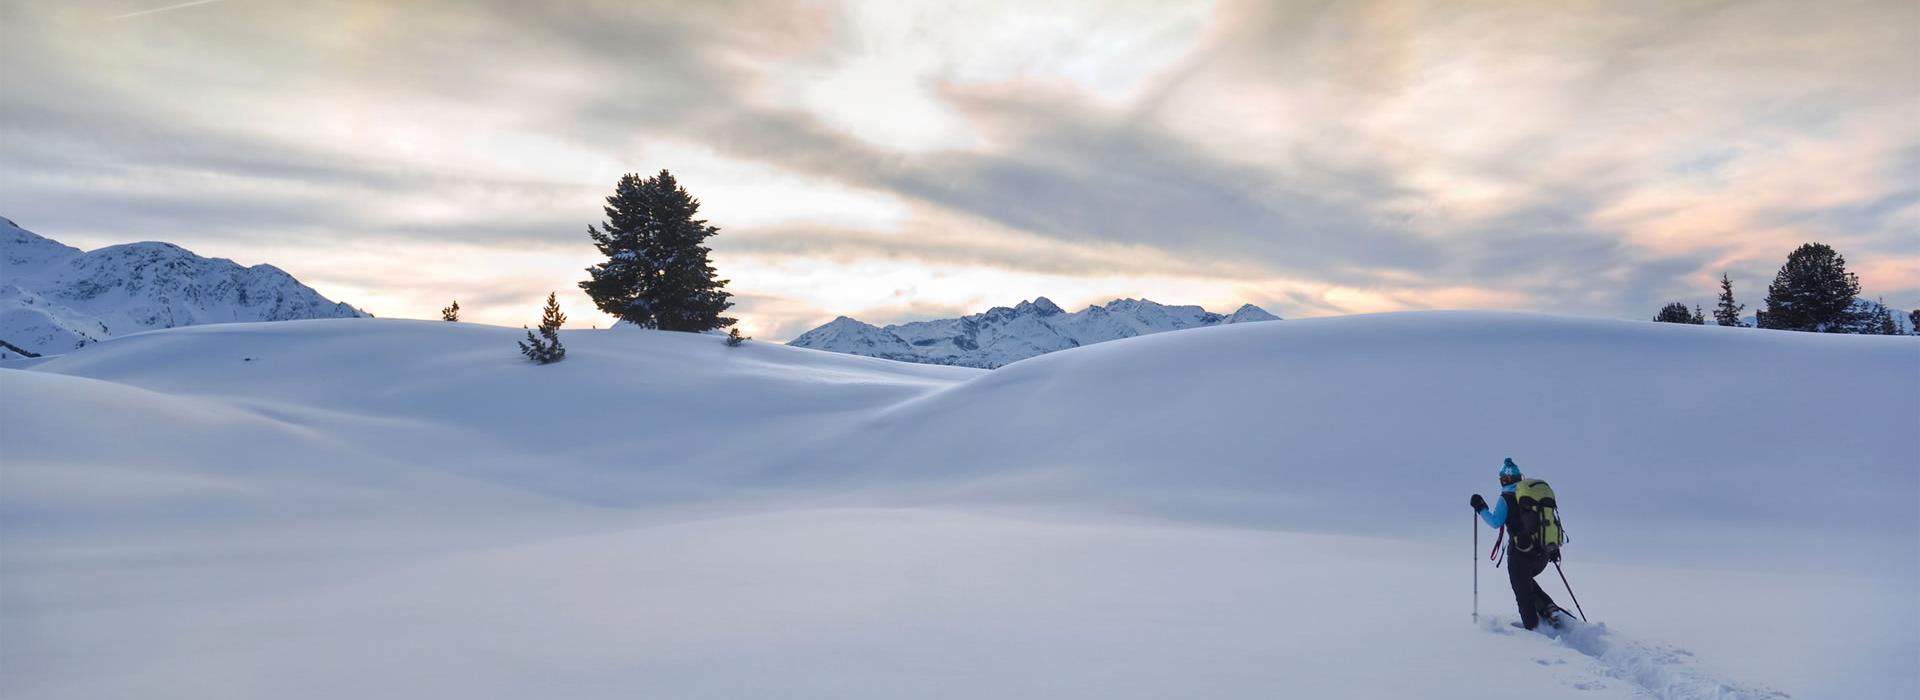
x=1003 y=334
x=55 y=298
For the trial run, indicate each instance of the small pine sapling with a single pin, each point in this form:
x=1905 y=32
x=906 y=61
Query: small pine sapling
x=1727 y=313
x=734 y=339
x=1883 y=319
x=451 y=313
x=545 y=348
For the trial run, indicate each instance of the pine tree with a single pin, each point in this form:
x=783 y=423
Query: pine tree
x=545 y=348
x=1698 y=319
x=734 y=339
x=1728 y=312
x=1812 y=292
x=1874 y=318
x=1677 y=312
x=451 y=313
x=1913 y=321
x=657 y=274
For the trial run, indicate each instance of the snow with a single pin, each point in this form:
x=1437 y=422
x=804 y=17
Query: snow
x=377 y=508
x=1657 y=669
x=55 y=298
x=1002 y=335
x=31 y=321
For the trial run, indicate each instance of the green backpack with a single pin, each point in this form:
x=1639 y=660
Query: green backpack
x=1535 y=525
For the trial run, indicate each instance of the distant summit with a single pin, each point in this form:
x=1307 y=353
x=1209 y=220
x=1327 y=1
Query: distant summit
x=54 y=298
x=1002 y=335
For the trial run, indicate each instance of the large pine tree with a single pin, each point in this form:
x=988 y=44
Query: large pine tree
x=1812 y=292
x=1728 y=312
x=656 y=274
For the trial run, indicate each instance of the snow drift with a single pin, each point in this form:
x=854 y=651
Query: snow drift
x=395 y=508
x=1644 y=427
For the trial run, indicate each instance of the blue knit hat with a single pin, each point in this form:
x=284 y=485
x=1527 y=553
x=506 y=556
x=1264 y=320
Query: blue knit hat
x=1510 y=469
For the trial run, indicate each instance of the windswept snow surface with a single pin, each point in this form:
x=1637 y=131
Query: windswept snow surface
x=367 y=508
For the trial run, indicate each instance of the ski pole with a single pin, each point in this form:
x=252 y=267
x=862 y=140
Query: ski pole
x=1563 y=582
x=1476 y=568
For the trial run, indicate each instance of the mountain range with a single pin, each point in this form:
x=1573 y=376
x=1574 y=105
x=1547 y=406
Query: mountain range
x=55 y=298
x=1003 y=335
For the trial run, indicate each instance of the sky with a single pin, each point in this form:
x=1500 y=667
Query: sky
x=901 y=160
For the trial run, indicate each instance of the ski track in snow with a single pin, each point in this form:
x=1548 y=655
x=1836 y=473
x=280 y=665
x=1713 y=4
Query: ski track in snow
x=1654 y=670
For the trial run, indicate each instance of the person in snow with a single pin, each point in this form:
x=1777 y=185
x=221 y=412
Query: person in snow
x=1522 y=566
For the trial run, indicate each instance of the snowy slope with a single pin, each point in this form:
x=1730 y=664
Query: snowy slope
x=55 y=298
x=36 y=325
x=1002 y=335
x=403 y=509
x=1270 y=411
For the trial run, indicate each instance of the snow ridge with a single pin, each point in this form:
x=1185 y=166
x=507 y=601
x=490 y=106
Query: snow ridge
x=56 y=298
x=1002 y=335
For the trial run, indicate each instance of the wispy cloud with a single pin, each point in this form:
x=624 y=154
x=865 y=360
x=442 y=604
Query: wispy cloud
x=158 y=10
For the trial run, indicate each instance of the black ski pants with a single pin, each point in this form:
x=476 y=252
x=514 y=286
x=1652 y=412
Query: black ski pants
x=1521 y=568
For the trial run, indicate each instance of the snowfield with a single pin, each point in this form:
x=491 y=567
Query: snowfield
x=406 y=509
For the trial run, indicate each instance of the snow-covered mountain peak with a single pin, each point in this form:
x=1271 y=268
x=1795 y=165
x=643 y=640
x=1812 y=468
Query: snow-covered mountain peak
x=1040 y=306
x=1004 y=334
x=23 y=252
x=860 y=338
x=58 y=298
x=844 y=325
x=1249 y=312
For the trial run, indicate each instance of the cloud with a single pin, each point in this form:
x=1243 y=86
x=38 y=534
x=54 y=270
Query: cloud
x=1596 y=158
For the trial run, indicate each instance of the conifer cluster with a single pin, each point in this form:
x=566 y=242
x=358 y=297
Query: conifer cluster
x=1677 y=312
x=1812 y=292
